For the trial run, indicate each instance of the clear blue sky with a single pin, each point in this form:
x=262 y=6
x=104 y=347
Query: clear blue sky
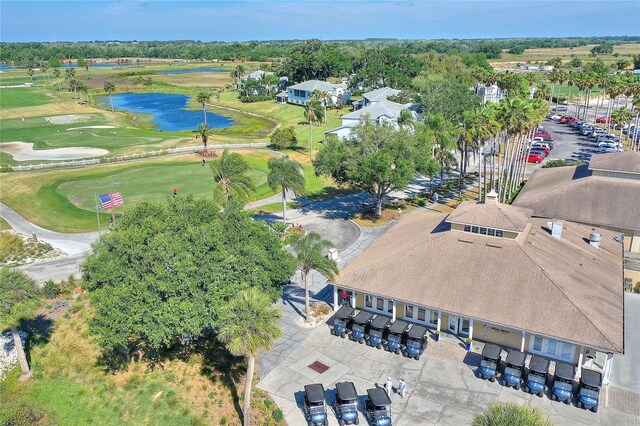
x=26 y=20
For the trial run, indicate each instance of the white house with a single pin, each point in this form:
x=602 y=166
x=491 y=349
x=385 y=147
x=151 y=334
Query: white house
x=490 y=93
x=301 y=92
x=256 y=75
x=377 y=108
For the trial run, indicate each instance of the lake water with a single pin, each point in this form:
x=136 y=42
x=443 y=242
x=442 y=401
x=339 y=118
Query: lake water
x=169 y=111
x=187 y=71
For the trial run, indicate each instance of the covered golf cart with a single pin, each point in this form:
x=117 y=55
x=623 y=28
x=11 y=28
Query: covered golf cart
x=589 y=389
x=490 y=363
x=360 y=326
x=538 y=374
x=315 y=409
x=512 y=374
x=346 y=404
x=342 y=321
x=377 y=329
x=378 y=407
x=416 y=341
x=562 y=389
x=395 y=336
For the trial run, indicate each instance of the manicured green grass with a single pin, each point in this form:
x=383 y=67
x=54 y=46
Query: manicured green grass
x=23 y=97
x=4 y=226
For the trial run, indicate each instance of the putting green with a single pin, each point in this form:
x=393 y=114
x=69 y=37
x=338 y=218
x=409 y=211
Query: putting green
x=155 y=183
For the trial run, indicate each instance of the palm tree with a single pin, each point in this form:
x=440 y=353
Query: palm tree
x=313 y=113
x=310 y=250
x=203 y=98
x=405 y=119
x=45 y=71
x=238 y=73
x=56 y=73
x=249 y=324
x=324 y=98
x=109 y=87
x=203 y=133
x=440 y=134
x=230 y=177
x=30 y=72
x=286 y=174
x=621 y=117
x=19 y=298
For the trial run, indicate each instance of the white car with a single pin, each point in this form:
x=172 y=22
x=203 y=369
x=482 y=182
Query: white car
x=559 y=108
x=555 y=117
x=608 y=147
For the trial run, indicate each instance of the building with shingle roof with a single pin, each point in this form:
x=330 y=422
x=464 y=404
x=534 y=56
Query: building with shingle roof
x=494 y=273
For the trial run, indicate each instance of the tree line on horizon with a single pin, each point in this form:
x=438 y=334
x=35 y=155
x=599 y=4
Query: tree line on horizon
x=33 y=53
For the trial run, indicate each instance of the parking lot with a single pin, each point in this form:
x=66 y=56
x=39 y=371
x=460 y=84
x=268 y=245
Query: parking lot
x=442 y=386
x=569 y=144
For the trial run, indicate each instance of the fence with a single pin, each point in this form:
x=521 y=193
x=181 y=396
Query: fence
x=125 y=157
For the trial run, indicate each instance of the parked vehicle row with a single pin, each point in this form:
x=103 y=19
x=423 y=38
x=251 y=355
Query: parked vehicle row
x=607 y=142
x=377 y=406
x=536 y=378
x=541 y=146
x=380 y=331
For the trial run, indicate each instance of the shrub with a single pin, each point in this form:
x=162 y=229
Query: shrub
x=9 y=245
x=50 y=289
x=284 y=137
x=277 y=414
x=511 y=414
x=223 y=420
x=256 y=98
x=561 y=163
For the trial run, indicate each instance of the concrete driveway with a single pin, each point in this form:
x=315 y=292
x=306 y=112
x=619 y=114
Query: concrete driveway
x=442 y=387
x=625 y=371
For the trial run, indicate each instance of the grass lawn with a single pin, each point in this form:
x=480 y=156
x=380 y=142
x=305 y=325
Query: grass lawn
x=69 y=387
x=4 y=226
x=626 y=50
x=23 y=97
x=62 y=200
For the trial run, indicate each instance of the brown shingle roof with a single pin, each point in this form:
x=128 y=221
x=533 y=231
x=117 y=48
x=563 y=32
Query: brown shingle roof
x=618 y=162
x=572 y=193
x=563 y=289
x=491 y=215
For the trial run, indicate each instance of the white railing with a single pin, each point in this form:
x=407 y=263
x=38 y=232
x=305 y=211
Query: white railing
x=125 y=157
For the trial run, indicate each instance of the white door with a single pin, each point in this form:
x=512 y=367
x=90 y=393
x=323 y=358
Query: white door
x=453 y=324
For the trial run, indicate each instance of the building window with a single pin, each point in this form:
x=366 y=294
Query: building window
x=498 y=233
x=467 y=228
x=465 y=326
x=408 y=311
x=491 y=232
x=368 y=301
x=379 y=303
x=433 y=317
x=421 y=314
x=474 y=229
x=390 y=306
x=551 y=347
x=537 y=344
x=567 y=351
x=483 y=231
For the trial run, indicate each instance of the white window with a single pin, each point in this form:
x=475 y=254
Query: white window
x=368 y=301
x=552 y=348
x=408 y=311
x=422 y=314
x=390 y=306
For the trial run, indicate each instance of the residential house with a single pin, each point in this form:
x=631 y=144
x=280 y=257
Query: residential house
x=376 y=107
x=489 y=271
x=259 y=75
x=301 y=92
x=605 y=193
x=490 y=93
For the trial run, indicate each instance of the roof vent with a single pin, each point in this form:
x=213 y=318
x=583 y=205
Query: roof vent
x=556 y=229
x=491 y=197
x=594 y=239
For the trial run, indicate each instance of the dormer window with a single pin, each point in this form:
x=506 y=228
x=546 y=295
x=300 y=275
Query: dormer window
x=483 y=231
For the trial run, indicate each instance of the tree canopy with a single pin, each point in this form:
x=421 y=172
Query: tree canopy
x=447 y=97
x=390 y=66
x=375 y=158
x=314 y=59
x=168 y=269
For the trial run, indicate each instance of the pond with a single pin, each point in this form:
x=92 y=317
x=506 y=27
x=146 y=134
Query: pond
x=169 y=111
x=188 y=71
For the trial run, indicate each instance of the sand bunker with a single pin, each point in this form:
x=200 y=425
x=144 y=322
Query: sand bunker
x=67 y=119
x=22 y=151
x=91 y=127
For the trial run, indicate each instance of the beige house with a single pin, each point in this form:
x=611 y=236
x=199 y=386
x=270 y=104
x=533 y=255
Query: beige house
x=489 y=271
x=606 y=194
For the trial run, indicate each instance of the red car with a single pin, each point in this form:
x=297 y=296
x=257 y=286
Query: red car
x=534 y=158
x=604 y=120
x=542 y=135
x=568 y=119
x=539 y=150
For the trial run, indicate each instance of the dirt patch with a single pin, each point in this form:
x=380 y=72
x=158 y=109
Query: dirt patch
x=94 y=127
x=67 y=119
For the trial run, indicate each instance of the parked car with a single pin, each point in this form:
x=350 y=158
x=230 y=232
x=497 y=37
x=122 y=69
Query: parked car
x=542 y=134
x=342 y=321
x=534 y=158
x=346 y=403
x=396 y=337
x=568 y=119
x=315 y=409
x=562 y=389
x=416 y=341
x=606 y=148
x=513 y=370
x=538 y=375
x=377 y=407
x=539 y=144
x=377 y=329
x=541 y=151
x=604 y=120
x=490 y=363
x=555 y=116
x=360 y=326
x=559 y=108
x=598 y=131
x=589 y=389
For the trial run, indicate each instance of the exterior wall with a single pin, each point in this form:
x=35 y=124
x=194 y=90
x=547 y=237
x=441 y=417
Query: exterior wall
x=300 y=100
x=490 y=333
x=350 y=122
x=634 y=276
x=634 y=242
x=399 y=310
x=457 y=226
x=359 y=300
x=509 y=234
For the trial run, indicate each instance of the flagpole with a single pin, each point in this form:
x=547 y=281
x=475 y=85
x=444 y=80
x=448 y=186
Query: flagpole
x=95 y=199
x=113 y=213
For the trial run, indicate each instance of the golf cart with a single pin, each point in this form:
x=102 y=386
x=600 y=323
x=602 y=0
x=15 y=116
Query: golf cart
x=378 y=407
x=490 y=363
x=562 y=389
x=416 y=341
x=341 y=321
x=360 y=326
x=395 y=336
x=377 y=329
x=589 y=389
x=346 y=404
x=512 y=374
x=315 y=409
x=538 y=374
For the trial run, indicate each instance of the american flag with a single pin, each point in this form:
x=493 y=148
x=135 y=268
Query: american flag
x=106 y=202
